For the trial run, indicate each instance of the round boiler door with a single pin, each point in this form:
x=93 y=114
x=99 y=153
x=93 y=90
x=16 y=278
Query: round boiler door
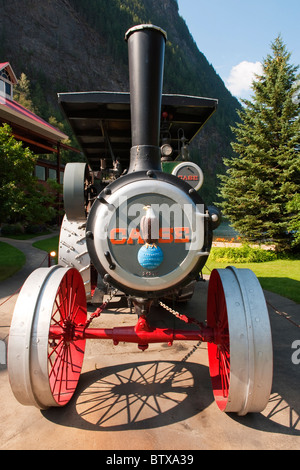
x=147 y=235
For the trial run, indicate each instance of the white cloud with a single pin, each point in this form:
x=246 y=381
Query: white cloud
x=241 y=77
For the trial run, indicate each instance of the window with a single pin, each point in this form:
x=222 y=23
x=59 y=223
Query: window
x=40 y=172
x=4 y=74
x=6 y=88
x=52 y=174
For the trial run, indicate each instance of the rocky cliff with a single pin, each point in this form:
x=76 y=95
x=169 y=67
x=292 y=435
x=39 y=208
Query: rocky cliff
x=75 y=45
x=50 y=41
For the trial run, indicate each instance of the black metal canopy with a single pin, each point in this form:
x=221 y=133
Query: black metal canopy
x=102 y=125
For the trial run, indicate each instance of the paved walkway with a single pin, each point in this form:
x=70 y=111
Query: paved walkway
x=10 y=287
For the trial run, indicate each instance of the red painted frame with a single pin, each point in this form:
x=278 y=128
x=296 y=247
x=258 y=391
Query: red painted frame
x=142 y=334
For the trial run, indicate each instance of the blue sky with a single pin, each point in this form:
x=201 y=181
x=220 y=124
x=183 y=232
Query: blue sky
x=235 y=35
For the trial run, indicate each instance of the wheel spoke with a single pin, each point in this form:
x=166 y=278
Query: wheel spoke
x=73 y=307
x=55 y=365
x=71 y=299
x=59 y=307
x=60 y=380
x=66 y=357
x=54 y=350
x=62 y=300
x=219 y=353
x=224 y=371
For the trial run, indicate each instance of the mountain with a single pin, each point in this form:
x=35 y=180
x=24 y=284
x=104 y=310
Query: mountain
x=78 y=45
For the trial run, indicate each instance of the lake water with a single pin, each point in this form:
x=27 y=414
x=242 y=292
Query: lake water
x=225 y=231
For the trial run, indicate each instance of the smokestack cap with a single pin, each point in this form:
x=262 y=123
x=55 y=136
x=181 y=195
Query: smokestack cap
x=145 y=26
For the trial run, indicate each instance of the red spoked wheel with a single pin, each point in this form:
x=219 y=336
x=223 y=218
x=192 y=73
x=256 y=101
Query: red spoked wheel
x=65 y=354
x=219 y=351
x=46 y=351
x=241 y=355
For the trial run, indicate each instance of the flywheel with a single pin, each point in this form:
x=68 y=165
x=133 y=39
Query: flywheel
x=77 y=181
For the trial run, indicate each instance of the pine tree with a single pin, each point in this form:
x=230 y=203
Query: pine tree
x=264 y=174
x=22 y=93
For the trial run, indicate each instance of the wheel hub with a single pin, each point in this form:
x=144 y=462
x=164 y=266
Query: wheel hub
x=69 y=331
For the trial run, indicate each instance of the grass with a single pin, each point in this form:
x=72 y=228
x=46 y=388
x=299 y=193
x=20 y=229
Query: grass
x=25 y=236
x=11 y=260
x=48 y=245
x=281 y=276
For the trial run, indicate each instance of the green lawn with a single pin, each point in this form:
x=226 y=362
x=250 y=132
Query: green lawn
x=11 y=260
x=279 y=276
x=26 y=236
x=48 y=245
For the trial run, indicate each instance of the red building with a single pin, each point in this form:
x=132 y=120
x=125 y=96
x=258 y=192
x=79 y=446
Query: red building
x=37 y=134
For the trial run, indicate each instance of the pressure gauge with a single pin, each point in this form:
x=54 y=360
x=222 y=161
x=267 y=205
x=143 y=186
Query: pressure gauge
x=191 y=173
x=166 y=150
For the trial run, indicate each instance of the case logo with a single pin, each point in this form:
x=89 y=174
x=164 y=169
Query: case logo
x=120 y=236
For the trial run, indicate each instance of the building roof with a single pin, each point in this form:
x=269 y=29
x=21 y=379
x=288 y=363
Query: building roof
x=38 y=134
x=7 y=66
x=29 y=127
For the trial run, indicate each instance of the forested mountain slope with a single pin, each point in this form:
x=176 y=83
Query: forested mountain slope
x=78 y=45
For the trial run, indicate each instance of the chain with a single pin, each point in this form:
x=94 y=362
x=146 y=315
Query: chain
x=186 y=320
x=180 y=316
x=99 y=310
x=193 y=320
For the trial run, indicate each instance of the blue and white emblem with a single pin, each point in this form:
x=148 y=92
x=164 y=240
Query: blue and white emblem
x=150 y=256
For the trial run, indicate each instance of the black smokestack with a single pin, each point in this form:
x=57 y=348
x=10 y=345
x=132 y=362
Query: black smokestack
x=146 y=50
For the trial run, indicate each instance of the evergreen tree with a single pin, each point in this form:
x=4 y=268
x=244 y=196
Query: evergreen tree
x=264 y=174
x=293 y=207
x=22 y=93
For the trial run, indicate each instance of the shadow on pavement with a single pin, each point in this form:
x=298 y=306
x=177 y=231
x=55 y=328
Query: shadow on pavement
x=136 y=396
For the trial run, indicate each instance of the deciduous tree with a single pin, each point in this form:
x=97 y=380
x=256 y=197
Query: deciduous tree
x=22 y=198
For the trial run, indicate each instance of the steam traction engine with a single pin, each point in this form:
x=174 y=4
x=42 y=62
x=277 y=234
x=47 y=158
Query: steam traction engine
x=141 y=228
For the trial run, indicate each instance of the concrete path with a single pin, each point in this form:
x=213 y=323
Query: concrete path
x=34 y=258
x=157 y=400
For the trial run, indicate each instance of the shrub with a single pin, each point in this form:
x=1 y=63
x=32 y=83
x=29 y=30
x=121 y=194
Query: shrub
x=12 y=229
x=35 y=228
x=243 y=254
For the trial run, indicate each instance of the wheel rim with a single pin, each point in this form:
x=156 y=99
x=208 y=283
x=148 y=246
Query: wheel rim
x=241 y=356
x=219 y=352
x=44 y=367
